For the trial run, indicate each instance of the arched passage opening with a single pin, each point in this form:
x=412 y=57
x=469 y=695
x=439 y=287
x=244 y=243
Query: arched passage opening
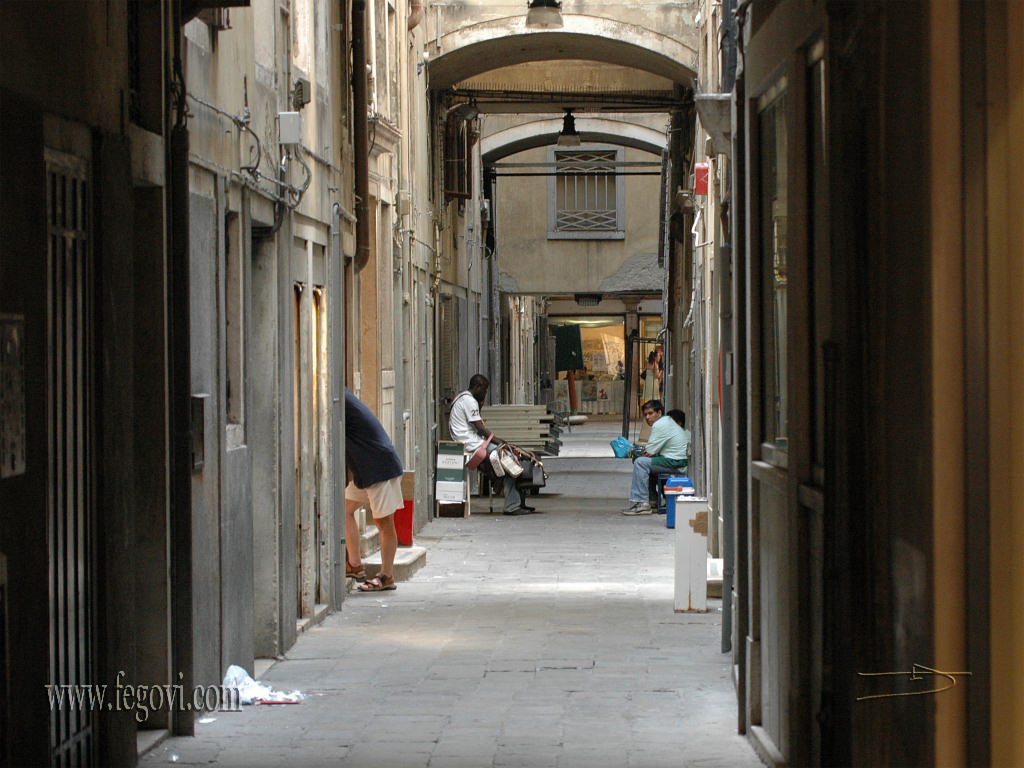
x=539 y=133
x=579 y=251
x=571 y=235
x=478 y=48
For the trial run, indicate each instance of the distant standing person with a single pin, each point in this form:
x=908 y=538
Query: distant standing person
x=468 y=428
x=376 y=483
x=659 y=368
x=650 y=377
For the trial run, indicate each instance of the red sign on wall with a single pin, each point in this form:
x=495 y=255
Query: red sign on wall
x=700 y=179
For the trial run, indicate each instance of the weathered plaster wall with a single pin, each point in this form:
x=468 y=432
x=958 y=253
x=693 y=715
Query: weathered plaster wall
x=666 y=17
x=531 y=263
x=238 y=79
x=583 y=75
x=85 y=77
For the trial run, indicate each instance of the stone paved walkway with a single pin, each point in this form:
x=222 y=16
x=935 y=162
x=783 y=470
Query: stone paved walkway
x=539 y=641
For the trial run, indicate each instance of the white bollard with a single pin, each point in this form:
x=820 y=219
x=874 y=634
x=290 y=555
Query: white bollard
x=691 y=592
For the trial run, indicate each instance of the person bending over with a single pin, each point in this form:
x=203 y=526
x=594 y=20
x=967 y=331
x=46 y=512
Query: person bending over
x=377 y=483
x=468 y=428
x=667 y=447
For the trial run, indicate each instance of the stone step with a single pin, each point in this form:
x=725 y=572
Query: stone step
x=369 y=541
x=408 y=560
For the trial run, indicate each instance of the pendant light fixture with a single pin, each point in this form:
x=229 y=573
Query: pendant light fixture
x=544 y=14
x=568 y=137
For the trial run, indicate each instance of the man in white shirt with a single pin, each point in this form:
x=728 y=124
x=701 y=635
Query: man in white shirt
x=468 y=428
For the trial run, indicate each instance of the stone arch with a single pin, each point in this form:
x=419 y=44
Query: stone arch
x=539 y=133
x=477 y=48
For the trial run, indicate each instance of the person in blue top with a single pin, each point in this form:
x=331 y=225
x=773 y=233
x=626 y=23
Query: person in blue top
x=668 y=446
x=376 y=482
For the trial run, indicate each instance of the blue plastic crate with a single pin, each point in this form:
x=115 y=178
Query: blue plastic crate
x=674 y=488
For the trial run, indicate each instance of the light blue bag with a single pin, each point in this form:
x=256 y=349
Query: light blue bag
x=621 y=446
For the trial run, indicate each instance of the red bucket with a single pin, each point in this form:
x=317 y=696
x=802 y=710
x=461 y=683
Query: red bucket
x=403 y=523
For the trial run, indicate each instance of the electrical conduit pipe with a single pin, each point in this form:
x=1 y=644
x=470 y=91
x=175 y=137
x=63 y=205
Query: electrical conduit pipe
x=360 y=135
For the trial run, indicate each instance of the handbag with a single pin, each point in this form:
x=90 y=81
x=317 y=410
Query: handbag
x=479 y=454
x=509 y=461
x=533 y=473
x=621 y=447
x=495 y=469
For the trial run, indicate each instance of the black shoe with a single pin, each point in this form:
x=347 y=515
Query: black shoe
x=528 y=509
x=518 y=511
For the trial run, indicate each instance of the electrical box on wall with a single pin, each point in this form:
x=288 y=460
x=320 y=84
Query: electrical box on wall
x=289 y=127
x=404 y=203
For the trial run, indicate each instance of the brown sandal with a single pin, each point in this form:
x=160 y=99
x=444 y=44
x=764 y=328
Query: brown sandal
x=359 y=574
x=379 y=583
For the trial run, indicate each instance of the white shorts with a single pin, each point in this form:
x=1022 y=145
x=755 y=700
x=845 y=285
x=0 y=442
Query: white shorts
x=384 y=497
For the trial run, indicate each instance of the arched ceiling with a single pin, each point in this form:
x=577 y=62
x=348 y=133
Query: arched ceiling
x=539 y=133
x=477 y=48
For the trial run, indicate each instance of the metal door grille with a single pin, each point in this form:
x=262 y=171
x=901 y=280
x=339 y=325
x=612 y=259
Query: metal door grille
x=69 y=396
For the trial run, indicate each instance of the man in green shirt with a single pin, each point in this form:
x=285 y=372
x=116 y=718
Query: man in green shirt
x=667 y=447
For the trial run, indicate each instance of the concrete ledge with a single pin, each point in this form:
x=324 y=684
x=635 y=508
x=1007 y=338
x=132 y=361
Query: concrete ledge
x=260 y=667
x=714 y=577
x=765 y=747
x=408 y=560
x=146 y=740
x=320 y=612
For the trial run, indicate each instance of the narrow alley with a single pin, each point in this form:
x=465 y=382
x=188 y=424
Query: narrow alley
x=276 y=275
x=546 y=640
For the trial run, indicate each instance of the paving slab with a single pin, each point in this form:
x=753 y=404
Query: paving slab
x=533 y=641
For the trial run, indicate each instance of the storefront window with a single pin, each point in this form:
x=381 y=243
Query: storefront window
x=598 y=382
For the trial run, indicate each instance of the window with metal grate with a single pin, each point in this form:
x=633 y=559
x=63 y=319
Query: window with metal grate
x=586 y=194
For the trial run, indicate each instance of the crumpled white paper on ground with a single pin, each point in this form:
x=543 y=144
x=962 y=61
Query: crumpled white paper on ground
x=254 y=692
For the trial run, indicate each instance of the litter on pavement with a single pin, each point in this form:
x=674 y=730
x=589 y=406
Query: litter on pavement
x=254 y=692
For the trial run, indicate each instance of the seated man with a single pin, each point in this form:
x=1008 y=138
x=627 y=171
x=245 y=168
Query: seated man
x=468 y=428
x=667 y=447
